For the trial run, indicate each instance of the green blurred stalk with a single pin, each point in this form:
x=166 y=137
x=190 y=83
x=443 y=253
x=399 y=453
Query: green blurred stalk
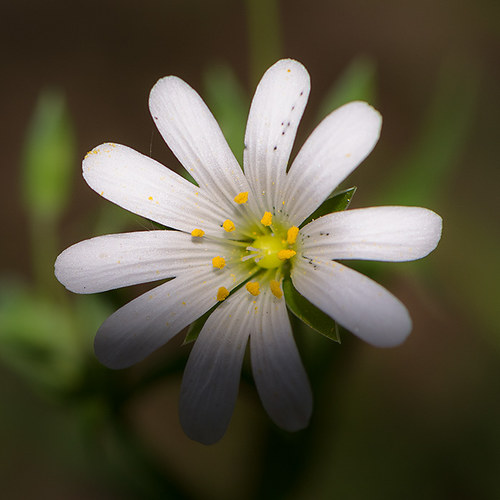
x=47 y=169
x=264 y=36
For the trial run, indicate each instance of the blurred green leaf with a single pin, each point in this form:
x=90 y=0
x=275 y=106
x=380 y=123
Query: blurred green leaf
x=357 y=83
x=38 y=339
x=469 y=267
x=229 y=104
x=335 y=203
x=48 y=157
x=309 y=313
x=47 y=341
x=420 y=176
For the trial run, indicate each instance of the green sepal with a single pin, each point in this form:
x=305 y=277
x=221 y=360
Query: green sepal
x=196 y=327
x=309 y=313
x=335 y=203
x=188 y=176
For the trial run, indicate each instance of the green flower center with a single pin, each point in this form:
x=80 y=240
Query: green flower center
x=270 y=246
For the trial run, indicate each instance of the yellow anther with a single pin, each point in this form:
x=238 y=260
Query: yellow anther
x=267 y=219
x=222 y=293
x=291 y=235
x=218 y=262
x=197 y=233
x=253 y=288
x=241 y=198
x=228 y=225
x=286 y=254
x=276 y=289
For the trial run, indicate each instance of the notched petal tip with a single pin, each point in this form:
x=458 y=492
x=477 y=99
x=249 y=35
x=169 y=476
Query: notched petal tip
x=289 y=65
x=203 y=434
x=394 y=339
x=101 y=156
x=106 y=352
x=363 y=113
x=434 y=230
x=161 y=89
x=64 y=271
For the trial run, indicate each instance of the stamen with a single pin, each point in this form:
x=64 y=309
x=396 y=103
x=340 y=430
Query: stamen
x=276 y=289
x=241 y=198
x=222 y=293
x=286 y=254
x=291 y=235
x=267 y=219
x=228 y=225
x=218 y=262
x=253 y=288
x=197 y=233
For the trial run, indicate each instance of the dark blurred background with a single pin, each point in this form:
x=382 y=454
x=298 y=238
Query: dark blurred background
x=417 y=421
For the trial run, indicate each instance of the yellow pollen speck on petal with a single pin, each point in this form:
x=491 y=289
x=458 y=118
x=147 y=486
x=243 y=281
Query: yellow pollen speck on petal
x=253 y=288
x=276 y=289
x=197 y=233
x=267 y=219
x=241 y=198
x=222 y=293
x=291 y=235
x=228 y=225
x=218 y=262
x=286 y=254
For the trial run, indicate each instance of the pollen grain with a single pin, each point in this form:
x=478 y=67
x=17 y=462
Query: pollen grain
x=241 y=198
x=291 y=235
x=228 y=225
x=253 y=288
x=286 y=254
x=218 y=262
x=222 y=293
x=267 y=219
x=276 y=289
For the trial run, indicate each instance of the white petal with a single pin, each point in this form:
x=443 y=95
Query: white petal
x=212 y=375
x=193 y=135
x=275 y=113
x=277 y=369
x=334 y=149
x=117 y=260
x=147 y=188
x=145 y=324
x=379 y=233
x=356 y=302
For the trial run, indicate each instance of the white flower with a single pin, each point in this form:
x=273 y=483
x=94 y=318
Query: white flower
x=235 y=237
